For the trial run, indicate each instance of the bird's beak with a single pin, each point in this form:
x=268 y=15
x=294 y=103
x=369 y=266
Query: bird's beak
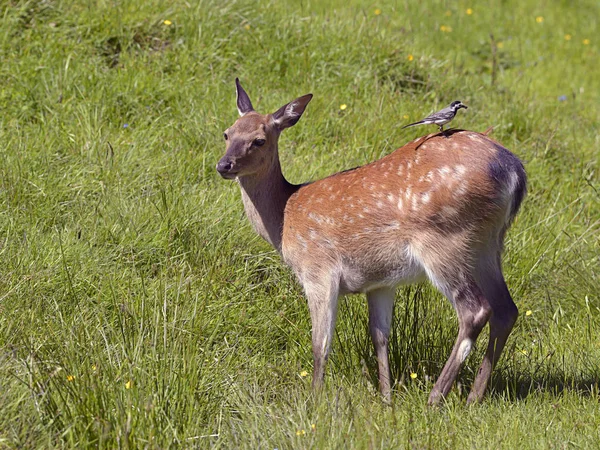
x=464 y=106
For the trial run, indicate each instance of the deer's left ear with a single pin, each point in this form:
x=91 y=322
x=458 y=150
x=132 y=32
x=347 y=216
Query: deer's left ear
x=244 y=105
x=289 y=114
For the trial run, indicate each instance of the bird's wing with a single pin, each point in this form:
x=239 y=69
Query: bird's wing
x=440 y=115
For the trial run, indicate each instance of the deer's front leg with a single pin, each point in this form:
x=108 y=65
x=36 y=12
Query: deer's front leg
x=381 y=310
x=323 y=302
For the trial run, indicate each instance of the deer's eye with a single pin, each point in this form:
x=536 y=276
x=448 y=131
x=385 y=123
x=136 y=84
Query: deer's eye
x=259 y=142
x=225 y=136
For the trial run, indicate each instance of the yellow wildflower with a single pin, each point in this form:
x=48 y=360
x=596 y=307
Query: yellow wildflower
x=500 y=44
x=410 y=57
x=128 y=385
x=405 y=116
x=413 y=375
x=539 y=19
x=528 y=312
x=313 y=426
x=568 y=37
x=586 y=42
x=246 y=27
x=94 y=367
x=303 y=373
x=377 y=11
x=70 y=377
x=469 y=11
x=167 y=22
x=343 y=106
x=446 y=28
x=300 y=433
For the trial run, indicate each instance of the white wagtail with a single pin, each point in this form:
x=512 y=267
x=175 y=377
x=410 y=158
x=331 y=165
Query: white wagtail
x=440 y=118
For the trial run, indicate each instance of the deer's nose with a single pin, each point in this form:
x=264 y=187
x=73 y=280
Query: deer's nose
x=224 y=167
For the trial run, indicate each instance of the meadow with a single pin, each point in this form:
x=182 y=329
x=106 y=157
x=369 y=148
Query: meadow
x=138 y=309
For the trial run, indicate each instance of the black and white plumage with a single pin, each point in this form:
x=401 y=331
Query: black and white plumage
x=442 y=117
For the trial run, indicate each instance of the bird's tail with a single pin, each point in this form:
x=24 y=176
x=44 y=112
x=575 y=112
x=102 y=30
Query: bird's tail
x=413 y=124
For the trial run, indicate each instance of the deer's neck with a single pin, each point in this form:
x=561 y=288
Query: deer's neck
x=265 y=196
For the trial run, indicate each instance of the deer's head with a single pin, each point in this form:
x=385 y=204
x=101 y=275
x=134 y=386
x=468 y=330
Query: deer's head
x=251 y=142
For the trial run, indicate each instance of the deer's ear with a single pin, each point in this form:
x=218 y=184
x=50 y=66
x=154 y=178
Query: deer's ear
x=289 y=114
x=244 y=105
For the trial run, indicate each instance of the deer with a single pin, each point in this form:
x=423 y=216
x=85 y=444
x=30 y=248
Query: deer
x=437 y=208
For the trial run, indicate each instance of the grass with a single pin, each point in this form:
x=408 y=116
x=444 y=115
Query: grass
x=138 y=308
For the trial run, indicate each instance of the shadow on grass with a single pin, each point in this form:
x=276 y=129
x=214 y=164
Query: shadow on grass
x=521 y=387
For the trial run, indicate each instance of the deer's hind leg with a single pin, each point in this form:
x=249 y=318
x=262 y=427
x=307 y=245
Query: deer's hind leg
x=502 y=320
x=450 y=271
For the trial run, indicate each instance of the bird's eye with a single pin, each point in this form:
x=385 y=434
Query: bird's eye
x=225 y=136
x=259 y=142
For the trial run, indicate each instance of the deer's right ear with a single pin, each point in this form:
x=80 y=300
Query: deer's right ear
x=244 y=105
x=289 y=114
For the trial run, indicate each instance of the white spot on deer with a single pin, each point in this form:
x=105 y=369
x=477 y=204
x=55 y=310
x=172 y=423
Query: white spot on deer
x=390 y=198
x=429 y=176
x=449 y=211
x=425 y=197
x=444 y=171
x=302 y=241
x=361 y=216
x=366 y=210
x=380 y=204
x=408 y=166
x=462 y=189
x=408 y=192
x=400 y=203
x=459 y=170
x=400 y=170
x=464 y=349
x=315 y=217
x=414 y=202
x=312 y=233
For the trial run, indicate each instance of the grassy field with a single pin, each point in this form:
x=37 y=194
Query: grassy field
x=139 y=310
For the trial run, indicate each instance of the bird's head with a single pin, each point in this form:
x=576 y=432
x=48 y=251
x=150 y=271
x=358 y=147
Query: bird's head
x=456 y=105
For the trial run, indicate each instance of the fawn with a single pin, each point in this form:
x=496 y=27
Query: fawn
x=437 y=208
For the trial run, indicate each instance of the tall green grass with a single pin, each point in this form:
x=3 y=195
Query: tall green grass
x=138 y=308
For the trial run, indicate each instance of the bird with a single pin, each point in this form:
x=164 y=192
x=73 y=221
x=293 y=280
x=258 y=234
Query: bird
x=441 y=117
